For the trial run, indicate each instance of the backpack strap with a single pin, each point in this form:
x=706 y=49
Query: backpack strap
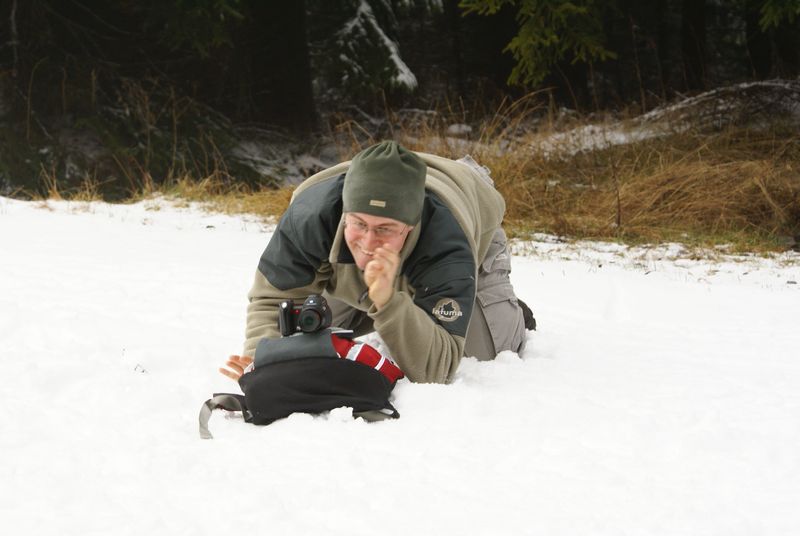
x=226 y=401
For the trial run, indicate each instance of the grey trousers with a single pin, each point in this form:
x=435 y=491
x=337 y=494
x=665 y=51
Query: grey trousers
x=496 y=324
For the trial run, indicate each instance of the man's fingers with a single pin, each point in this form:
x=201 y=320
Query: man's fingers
x=241 y=360
x=373 y=271
x=373 y=288
x=229 y=374
x=378 y=266
x=387 y=254
x=235 y=365
x=388 y=248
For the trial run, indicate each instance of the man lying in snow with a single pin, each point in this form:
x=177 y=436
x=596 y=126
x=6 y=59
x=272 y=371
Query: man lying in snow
x=406 y=244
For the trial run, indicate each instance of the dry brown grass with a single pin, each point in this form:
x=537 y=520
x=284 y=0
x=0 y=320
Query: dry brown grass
x=231 y=198
x=216 y=192
x=738 y=186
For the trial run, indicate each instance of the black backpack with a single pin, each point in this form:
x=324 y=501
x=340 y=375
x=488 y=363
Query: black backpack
x=304 y=374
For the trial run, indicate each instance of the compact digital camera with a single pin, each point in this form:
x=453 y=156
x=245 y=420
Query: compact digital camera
x=313 y=315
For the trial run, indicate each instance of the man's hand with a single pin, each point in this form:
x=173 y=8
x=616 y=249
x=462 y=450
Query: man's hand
x=379 y=275
x=236 y=365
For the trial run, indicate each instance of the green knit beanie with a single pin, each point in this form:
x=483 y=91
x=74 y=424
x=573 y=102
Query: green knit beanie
x=386 y=180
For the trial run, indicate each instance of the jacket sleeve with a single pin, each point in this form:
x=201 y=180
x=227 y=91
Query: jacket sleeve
x=262 y=309
x=422 y=347
x=426 y=332
x=294 y=263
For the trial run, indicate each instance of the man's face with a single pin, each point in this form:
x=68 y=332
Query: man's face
x=363 y=233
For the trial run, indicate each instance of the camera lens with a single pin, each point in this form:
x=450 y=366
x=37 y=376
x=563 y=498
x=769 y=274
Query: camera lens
x=309 y=321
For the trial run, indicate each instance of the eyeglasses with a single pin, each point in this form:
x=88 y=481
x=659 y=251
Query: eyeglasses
x=381 y=231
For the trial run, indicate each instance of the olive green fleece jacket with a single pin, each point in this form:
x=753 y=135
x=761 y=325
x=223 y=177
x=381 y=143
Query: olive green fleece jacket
x=424 y=324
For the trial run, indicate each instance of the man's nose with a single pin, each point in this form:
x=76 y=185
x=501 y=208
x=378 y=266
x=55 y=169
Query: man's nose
x=371 y=237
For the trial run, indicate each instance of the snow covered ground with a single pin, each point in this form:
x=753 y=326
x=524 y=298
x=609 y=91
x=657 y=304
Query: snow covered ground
x=660 y=396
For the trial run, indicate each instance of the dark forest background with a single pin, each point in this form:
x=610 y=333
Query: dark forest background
x=120 y=89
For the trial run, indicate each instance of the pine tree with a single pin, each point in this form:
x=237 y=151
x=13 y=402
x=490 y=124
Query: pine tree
x=549 y=32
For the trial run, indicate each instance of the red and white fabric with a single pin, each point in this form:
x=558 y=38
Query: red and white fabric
x=367 y=355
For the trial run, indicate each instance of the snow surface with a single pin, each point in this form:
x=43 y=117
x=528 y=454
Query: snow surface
x=660 y=395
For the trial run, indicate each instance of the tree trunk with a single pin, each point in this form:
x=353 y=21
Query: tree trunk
x=758 y=45
x=453 y=18
x=279 y=65
x=693 y=42
x=664 y=46
x=786 y=43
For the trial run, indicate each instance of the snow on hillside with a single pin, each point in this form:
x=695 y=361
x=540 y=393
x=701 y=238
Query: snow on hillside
x=660 y=395
x=758 y=104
